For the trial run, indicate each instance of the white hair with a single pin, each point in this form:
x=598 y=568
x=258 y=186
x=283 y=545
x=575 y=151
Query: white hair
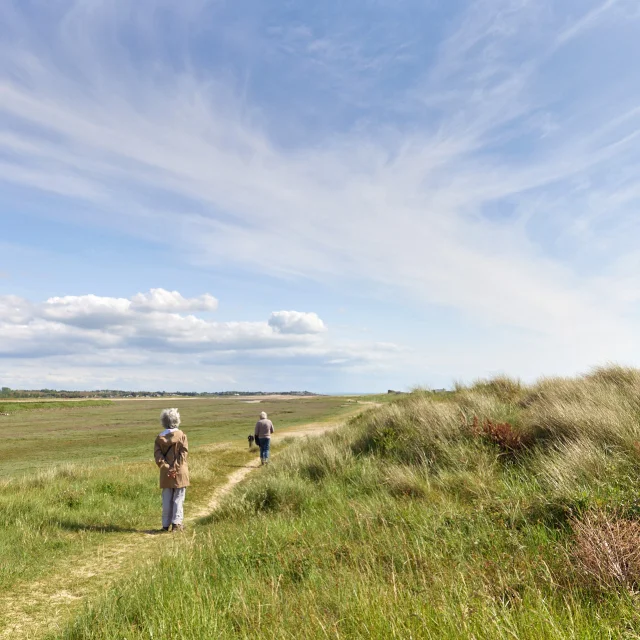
x=170 y=419
x=263 y=416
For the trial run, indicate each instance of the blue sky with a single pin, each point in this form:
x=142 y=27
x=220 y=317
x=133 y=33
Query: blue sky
x=333 y=196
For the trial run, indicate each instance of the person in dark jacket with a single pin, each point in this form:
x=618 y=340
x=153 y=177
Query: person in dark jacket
x=263 y=431
x=170 y=453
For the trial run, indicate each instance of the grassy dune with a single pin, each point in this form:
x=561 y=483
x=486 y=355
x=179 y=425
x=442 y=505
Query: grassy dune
x=499 y=511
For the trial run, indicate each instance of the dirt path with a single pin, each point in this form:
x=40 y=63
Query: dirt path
x=44 y=606
x=310 y=430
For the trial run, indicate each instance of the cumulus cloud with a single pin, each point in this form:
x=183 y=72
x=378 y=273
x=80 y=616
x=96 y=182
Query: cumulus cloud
x=296 y=322
x=98 y=311
x=162 y=300
x=146 y=320
x=15 y=310
x=88 y=311
x=100 y=331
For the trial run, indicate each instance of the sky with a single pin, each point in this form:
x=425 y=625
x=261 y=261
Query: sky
x=338 y=197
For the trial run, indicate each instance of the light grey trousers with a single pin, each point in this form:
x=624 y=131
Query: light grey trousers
x=173 y=506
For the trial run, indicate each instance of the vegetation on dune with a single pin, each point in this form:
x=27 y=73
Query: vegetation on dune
x=499 y=511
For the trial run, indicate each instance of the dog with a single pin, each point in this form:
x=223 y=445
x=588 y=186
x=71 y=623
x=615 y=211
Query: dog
x=250 y=439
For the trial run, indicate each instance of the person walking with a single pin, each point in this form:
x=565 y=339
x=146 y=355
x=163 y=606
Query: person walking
x=170 y=453
x=263 y=431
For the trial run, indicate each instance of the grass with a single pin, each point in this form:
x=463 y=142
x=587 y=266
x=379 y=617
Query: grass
x=420 y=519
x=47 y=434
x=48 y=517
x=17 y=407
x=81 y=476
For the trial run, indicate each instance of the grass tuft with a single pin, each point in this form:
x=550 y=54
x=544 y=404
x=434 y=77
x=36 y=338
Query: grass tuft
x=502 y=388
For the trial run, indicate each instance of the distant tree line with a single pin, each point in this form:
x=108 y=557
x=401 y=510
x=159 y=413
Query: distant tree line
x=6 y=392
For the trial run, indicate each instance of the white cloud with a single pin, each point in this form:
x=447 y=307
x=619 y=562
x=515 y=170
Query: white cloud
x=103 y=334
x=162 y=300
x=87 y=311
x=296 y=322
x=390 y=210
x=146 y=320
x=14 y=309
x=95 y=311
x=587 y=20
x=405 y=200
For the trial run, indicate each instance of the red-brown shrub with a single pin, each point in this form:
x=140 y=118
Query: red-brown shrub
x=500 y=433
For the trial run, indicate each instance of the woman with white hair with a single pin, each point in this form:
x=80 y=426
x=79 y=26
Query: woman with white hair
x=263 y=431
x=170 y=453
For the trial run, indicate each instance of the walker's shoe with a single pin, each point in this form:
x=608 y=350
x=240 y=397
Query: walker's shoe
x=177 y=527
x=165 y=528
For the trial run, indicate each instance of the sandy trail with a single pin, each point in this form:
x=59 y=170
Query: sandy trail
x=310 y=430
x=44 y=606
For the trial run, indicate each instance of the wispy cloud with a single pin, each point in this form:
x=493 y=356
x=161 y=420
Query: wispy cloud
x=472 y=183
x=588 y=20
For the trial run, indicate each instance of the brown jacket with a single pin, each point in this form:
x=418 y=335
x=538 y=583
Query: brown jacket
x=170 y=452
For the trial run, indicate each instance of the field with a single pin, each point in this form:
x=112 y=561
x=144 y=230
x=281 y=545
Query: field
x=42 y=434
x=498 y=511
x=80 y=485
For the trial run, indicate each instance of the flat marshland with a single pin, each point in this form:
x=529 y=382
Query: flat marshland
x=78 y=483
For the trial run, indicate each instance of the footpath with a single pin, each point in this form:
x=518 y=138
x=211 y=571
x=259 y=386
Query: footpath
x=45 y=606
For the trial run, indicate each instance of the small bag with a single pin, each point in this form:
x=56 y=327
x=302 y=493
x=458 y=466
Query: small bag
x=257 y=441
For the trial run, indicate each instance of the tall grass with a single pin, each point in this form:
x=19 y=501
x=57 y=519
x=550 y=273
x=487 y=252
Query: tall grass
x=413 y=522
x=67 y=508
